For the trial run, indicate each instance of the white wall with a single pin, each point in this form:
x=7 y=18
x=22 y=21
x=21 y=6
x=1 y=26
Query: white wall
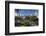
x=2 y=18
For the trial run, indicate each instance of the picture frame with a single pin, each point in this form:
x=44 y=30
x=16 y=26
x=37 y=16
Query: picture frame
x=8 y=8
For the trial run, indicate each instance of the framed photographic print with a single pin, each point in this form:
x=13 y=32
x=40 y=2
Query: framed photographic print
x=24 y=17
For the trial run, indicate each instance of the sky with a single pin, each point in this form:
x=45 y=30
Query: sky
x=27 y=12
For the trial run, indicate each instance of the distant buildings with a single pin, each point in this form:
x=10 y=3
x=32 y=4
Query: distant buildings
x=23 y=12
x=19 y=14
